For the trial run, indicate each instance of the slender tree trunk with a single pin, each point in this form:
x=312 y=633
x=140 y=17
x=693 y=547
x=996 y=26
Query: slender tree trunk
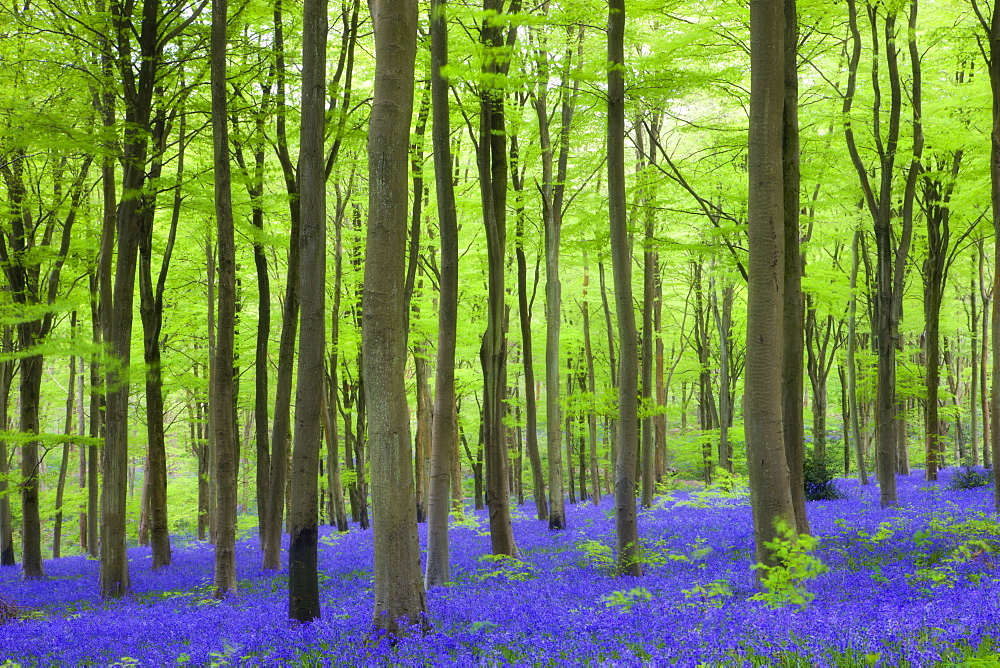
x=492 y=167
x=303 y=510
x=421 y=442
x=626 y=522
x=723 y=323
x=984 y=396
x=6 y=521
x=443 y=445
x=660 y=419
x=991 y=27
x=261 y=360
x=332 y=395
x=648 y=292
x=66 y=450
x=224 y=421
x=151 y=314
x=792 y=319
x=595 y=478
x=95 y=429
x=281 y=424
x=852 y=344
x=400 y=600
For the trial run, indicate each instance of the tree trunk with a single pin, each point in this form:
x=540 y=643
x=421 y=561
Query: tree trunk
x=770 y=491
x=723 y=323
x=281 y=424
x=595 y=478
x=443 y=445
x=991 y=27
x=400 y=600
x=648 y=292
x=974 y=362
x=303 y=509
x=66 y=450
x=151 y=314
x=852 y=385
x=626 y=523
x=6 y=524
x=224 y=420
x=892 y=249
x=492 y=167
x=793 y=428
x=331 y=392
x=421 y=443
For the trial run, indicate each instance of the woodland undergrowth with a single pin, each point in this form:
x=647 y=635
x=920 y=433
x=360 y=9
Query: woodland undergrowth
x=912 y=585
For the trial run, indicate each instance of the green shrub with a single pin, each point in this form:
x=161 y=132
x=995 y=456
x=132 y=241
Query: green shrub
x=784 y=583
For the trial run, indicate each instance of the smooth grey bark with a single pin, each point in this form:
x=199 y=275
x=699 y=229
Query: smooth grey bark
x=151 y=314
x=223 y=385
x=400 y=599
x=303 y=510
x=852 y=373
x=770 y=491
x=138 y=93
x=491 y=158
x=281 y=423
x=443 y=444
x=792 y=314
x=626 y=520
x=891 y=248
x=991 y=30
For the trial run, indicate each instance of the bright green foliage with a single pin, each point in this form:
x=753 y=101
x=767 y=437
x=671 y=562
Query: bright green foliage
x=626 y=599
x=504 y=567
x=598 y=554
x=784 y=583
x=709 y=595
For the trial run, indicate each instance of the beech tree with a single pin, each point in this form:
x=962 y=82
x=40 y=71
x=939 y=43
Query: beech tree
x=626 y=521
x=303 y=513
x=400 y=599
x=770 y=492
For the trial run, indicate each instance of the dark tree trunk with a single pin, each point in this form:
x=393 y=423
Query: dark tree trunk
x=852 y=391
x=303 y=510
x=66 y=450
x=527 y=355
x=793 y=428
x=281 y=424
x=114 y=577
x=991 y=28
x=6 y=524
x=626 y=521
x=151 y=313
x=492 y=167
x=892 y=249
x=223 y=385
x=30 y=391
x=443 y=446
x=595 y=478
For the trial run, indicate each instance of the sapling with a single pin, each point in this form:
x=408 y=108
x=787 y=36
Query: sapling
x=784 y=582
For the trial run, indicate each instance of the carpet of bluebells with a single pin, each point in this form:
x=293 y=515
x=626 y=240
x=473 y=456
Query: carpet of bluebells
x=916 y=585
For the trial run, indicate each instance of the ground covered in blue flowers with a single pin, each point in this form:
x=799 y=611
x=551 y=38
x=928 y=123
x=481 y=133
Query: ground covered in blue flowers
x=917 y=585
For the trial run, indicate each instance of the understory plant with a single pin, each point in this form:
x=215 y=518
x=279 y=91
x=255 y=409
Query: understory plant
x=784 y=582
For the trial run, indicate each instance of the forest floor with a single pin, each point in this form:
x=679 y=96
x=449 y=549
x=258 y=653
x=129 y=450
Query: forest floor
x=913 y=585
